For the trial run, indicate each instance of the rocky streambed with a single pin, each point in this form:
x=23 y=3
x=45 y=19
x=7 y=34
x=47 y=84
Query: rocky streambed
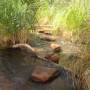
x=16 y=70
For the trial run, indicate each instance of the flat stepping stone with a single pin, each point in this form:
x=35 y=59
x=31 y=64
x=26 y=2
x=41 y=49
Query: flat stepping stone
x=53 y=57
x=41 y=31
x=55 y=47
x=48 y=38
x=43 y=74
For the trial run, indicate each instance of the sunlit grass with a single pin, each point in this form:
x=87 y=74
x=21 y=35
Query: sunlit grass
x=14 y=16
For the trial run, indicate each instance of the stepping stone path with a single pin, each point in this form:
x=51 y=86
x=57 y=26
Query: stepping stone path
x=22 y=68
x=48 y=37
x=45 y=32
x=19 y=66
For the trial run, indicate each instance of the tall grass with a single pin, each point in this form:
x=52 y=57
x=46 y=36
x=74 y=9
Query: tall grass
x=71 y=14
x=19 y=15
x=64 y=15
x=15 y=16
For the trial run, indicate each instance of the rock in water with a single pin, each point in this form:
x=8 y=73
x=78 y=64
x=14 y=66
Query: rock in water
x=48 y=38
x=41 y=31
x=53 y=57
x=23 y=46
x=27 y=48
x=47 y=33
x=44 y=74
x=86 y=78
x=55 y=47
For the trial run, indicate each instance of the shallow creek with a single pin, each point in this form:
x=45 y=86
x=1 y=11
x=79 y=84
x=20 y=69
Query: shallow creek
x=15 y=72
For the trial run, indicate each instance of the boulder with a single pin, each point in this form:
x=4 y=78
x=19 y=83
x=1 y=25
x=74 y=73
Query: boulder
x=27 y=48
x=47 y=33
x=55 y=47
x=43 y=74
x=53 y=57
x=48 y=38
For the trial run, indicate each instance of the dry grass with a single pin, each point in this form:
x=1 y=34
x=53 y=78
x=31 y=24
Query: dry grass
x=80 y=65
x=7 y=39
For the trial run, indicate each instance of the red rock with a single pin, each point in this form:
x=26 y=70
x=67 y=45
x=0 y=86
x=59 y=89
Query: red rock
x=56 y=47
x=41 y=31
x=43 y=74
x=53 y=57
x=48 y=56
x=48 y=38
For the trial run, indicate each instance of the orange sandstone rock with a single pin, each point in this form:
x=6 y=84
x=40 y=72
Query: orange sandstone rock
x=43 y=74
x=55 y=47
x=53 y=57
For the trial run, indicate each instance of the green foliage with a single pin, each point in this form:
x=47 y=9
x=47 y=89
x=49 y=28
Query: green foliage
x=43 y=10
x=67 y=13
x=52 y=11
x=16 y=14
x=76 y=14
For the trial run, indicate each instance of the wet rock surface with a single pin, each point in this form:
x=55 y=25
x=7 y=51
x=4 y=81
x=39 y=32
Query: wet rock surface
x=18 y=65
x=55 y=47
x=43 y=74
x=86 y=79
x=53 y=57
x=48 y=37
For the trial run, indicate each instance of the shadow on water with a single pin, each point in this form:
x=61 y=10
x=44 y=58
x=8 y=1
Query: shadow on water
x=18 y=64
